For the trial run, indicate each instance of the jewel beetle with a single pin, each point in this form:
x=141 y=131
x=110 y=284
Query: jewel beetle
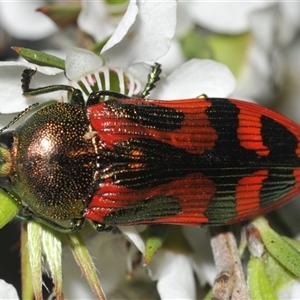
x=125 y=161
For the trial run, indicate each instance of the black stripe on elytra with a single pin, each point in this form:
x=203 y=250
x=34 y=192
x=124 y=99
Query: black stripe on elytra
x=142 y=163
x=229 y=161
x=281 y=161
x=240 y=162
x=148 y=115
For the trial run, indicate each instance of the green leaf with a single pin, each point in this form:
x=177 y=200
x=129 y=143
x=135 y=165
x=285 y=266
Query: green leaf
x=53 y=251
x=195 y=45
x=278 y=275
x=40 y=58
x=27 y=288
x=85 y=263
x=209 y=295
x=292 y=242
x=34 y=245
x=116 y=8
x=155 y=238
x=8 y=208
x=279 y=248
x=114 y=2
x=230 y=50
x=259 y=284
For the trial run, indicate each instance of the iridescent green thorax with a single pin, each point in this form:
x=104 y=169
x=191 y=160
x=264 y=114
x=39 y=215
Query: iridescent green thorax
x=55 y=163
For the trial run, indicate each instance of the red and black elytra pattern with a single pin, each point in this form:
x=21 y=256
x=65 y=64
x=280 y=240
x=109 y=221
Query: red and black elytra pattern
x=191 y=161
x=179 y=123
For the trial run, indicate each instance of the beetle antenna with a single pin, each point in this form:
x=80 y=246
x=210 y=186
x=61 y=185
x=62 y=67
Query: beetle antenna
x=19 y=116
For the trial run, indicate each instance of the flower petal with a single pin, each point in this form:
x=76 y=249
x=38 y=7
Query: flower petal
x=132 y=233
x=203 y=261
x=229 y=17
x=147 y=39
x=12 y=100
x=20 y=19
x=139 y=71
x=194 y=78
x=7 y=291
x=123 y=27
x=80 y=62
x=290 y=292
x=290 y=23
x=94 y=20
x=263 y=25
x=173 y=59
x=174 y=274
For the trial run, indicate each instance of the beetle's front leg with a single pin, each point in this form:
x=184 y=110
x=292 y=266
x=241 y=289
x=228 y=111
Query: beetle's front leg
x=27 y=215
x=75 y=98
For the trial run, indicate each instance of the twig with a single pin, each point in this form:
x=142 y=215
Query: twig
x=230 y=282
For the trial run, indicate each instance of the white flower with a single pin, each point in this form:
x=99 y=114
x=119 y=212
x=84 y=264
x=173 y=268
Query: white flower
x=12 y=100
x=273 y=29
x=213 y=17
x=262 y=34
x=7 y=291
x=175 y=276
x=100 y=18
x=222 y=17
x=176 y=271
x=129 y=48
x=290 y=292
x=20 y=19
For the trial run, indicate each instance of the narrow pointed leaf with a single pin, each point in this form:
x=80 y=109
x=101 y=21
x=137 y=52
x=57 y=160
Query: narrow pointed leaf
x=35 y=257
x=85 y=263
x=278 y=275
x=53 y=251
x=258 y=282
x=283 y=251
x=40 y=58
x=292 y=242
x=27 y=288
x=156 y=237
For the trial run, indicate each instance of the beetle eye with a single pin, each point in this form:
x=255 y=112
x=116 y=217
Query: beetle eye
x=6 y=139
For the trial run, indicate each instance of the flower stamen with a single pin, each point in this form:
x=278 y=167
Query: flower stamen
x=108 y=79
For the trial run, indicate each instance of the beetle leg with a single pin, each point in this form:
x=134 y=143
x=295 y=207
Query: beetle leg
x=76 y=224
x=98 y=97
x=75 y=98
x=102 y=227
x=153 y=77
